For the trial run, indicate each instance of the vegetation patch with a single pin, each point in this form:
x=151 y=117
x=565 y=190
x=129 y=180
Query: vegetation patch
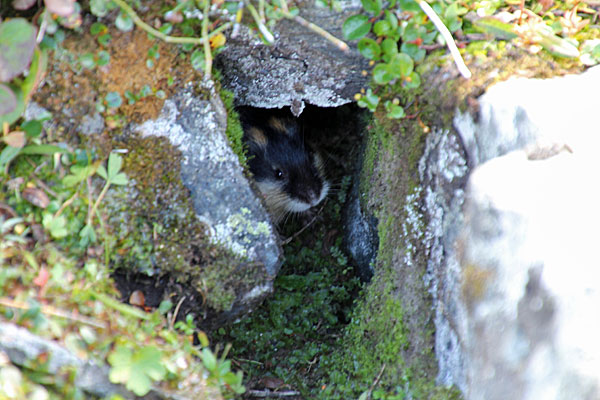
x=55 y=248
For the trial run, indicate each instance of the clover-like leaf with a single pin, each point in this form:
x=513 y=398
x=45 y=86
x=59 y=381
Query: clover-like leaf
x=57 y=226
x=137 y=369
x=356 y=27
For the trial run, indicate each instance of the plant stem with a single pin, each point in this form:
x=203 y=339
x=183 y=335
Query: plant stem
x=55 y=312
x=207 y=53
x=261 y=27
x=169 y=39
x=458 y=60
x=340 y=44
x=97 y=203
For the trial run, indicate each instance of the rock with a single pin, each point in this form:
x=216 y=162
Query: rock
x=300 y=67
x=520 y=284
x=221 y=194
x=23 y=347
x=443 y=173
x=360 y=235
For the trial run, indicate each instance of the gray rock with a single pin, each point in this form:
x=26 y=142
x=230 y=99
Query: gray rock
x=22 y=347
x=443 y=173
x=221 y=194
x=360 y=235
x=301 y=67
x=521 y=284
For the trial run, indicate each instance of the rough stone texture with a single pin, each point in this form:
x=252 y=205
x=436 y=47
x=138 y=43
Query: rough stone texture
x=221 y=194
x=301 y=67
x=443 y=172
x=360 y=235
x=520 y=293
x=21 y=347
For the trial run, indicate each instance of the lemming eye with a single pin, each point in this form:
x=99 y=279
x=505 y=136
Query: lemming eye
x=278 y=174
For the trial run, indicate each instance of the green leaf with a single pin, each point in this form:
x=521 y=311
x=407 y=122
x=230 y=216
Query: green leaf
x=115 y=162
x=87 y=236
x=43 y=149
x=8 y=100
x=556 y=45
x=32 y=128
x=15 y=114
x=209 y=359
x=78 y=174
x=36 y=72
x=103 y=58
x=369 y=48
x=495 y=27
x=370 y=101
x=165 y=306
x=414 y=51
x=99 y=7
x=372 y=6
x=356 y=27
x=124 y=22
x=382 y=28
x=391 y=19
x=87 y=60
x=197 y=60
x=104 y=39
x=102 y=172
x=113 y=100
x=120 y=360
x=413 y=81
x=382 y=74
x=401 y=65
x=57 y=226
x=17 y=42
x=7 y=155
x=137 y=370
x=394 y=110
x=390 y=48
x=119 y=179
x=97 y=28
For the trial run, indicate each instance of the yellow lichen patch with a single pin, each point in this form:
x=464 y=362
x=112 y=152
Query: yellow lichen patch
x=475 y=281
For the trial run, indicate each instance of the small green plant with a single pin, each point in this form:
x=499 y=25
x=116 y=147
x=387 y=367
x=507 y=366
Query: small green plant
x=137 y=369
x=16 y=143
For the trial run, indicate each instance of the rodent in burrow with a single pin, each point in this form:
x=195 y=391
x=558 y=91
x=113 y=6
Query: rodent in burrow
x=288 y=173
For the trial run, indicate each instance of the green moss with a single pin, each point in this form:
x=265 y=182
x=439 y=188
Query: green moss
x=160 y=233
x=391 y=333
x=234 y=130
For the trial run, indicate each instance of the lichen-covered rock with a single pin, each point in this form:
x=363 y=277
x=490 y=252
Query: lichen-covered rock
x=221 y=194
x=187 y=223
x=300 y=67
x=522 y=285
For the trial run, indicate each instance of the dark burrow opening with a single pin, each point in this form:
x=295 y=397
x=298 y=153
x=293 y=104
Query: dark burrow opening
x=287 y=344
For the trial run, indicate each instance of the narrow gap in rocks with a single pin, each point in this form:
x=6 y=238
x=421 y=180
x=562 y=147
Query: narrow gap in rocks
x=286 y=343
